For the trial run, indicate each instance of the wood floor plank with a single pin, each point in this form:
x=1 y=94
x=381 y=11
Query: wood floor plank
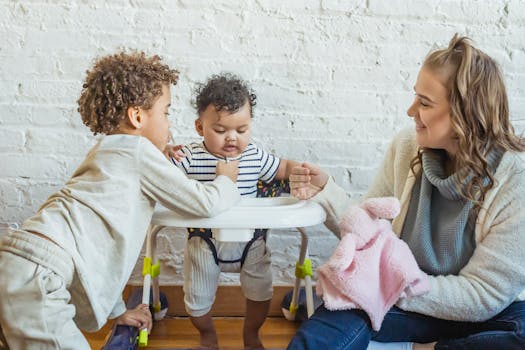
x=229 y=300
x=178 y=332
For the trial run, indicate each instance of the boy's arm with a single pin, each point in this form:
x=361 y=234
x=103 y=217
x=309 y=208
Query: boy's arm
x=285 y=169
x=166 y=184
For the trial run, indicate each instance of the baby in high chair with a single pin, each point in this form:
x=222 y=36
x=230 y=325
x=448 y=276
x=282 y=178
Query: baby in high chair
x=224 y=106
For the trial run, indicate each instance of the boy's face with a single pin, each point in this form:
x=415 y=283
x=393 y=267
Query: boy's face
x=226 y=134
x=155 y=123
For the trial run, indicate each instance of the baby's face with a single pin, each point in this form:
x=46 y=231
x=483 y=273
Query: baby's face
x=226 y=135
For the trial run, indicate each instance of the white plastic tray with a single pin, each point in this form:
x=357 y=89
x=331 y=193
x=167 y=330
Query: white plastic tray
x=237 y=223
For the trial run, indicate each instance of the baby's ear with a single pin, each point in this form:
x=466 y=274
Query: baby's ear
x=198 y=127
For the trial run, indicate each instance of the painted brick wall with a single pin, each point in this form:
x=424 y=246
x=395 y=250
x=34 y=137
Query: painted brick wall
x=333 y=78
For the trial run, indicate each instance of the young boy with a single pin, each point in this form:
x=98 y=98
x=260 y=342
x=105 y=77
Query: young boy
x=66 y=268
x=224 y=106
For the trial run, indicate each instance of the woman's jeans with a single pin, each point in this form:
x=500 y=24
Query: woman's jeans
x=350 y=329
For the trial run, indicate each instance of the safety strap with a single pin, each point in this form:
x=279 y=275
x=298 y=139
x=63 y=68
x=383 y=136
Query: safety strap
x=207 y=235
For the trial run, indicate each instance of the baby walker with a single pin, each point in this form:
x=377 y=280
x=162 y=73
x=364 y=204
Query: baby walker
x=232 y=225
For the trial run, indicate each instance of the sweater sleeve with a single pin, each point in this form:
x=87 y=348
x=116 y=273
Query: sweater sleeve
x=494 y=276
x=334 y=200
x=118 y=310
x=166 y=184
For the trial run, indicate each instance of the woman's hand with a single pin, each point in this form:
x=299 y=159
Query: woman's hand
x=139 y=317
x=307 y=180
x=230 y=169
x=174 y=151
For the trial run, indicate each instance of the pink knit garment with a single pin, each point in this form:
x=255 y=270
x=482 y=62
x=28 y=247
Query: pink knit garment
x=371 y=268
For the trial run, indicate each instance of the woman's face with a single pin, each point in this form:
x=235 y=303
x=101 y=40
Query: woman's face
x=431 y=113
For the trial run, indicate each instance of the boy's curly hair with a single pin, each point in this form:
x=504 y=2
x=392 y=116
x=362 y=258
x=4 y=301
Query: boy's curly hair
x=225 y=91
x=120 y=81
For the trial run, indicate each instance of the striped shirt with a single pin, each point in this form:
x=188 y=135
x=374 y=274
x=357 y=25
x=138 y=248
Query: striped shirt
x=254 y=164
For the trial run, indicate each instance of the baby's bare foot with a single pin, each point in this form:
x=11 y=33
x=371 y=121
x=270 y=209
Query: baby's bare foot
x=208 y=341
x=254 y=343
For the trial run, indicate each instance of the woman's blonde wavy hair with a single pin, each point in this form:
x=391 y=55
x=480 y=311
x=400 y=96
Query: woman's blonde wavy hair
x=479 y=112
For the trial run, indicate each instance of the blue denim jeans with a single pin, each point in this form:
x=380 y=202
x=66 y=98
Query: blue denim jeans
x=350 y=329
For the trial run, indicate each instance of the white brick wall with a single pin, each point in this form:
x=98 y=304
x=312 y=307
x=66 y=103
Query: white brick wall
x=333 y=77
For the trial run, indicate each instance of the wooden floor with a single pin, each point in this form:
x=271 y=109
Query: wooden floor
x=178 y=332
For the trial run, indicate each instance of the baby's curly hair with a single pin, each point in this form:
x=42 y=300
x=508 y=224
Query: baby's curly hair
x=120 y=81
x=225 y=91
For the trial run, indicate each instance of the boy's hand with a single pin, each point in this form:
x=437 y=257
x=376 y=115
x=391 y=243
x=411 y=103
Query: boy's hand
x=174 y=151
x=230 y=169
x=307 y=180
x=139 y=317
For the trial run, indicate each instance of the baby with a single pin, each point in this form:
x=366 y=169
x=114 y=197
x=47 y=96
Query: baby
x=224 y=106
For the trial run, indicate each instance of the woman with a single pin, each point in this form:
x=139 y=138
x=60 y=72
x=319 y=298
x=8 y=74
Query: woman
x=460 y=178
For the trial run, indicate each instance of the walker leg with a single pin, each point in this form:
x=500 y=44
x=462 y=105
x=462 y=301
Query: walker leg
x=149 y=270
x=157 y=315
x=303 y=270
x=299 y=275
x=306 y=274
x=294 y=303
x=155 y=272
x=309 y=295
x=143 y=333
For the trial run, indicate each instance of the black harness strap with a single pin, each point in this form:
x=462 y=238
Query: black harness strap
x=207 y=236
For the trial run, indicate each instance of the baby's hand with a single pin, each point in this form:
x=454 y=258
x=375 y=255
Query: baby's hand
x=230 y=169
x=139 y=317
x=174 y=151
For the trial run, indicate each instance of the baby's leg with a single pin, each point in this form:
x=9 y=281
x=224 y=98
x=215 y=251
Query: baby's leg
x=201 y=277
x=256 y=312
x=256 y=282
x=207 y=332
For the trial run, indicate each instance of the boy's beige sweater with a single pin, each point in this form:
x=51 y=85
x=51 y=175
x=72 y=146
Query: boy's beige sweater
x=101 y=217
x=494 y=277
